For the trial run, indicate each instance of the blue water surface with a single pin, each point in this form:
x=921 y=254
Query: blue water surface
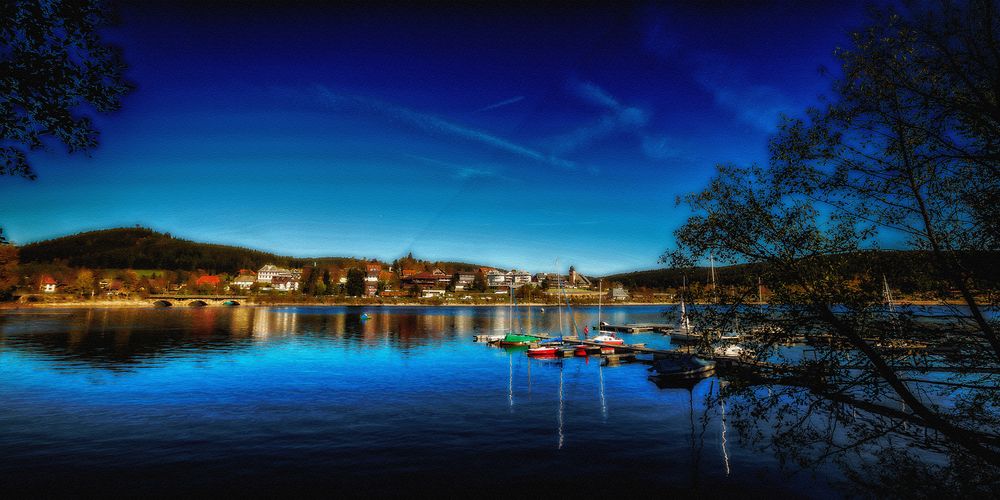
x=315 y=400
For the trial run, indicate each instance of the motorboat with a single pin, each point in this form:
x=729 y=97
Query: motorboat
x=608 y=339
x=543 y=351
x=684 y=367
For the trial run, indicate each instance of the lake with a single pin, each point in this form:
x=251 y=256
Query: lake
x=288 y=400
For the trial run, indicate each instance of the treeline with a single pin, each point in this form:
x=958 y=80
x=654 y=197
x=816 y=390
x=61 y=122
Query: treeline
x=909 y=271
x=421 y=265
x=143 y=248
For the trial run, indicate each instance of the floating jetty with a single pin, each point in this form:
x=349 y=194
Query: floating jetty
x=636 y=328
x=616 y=354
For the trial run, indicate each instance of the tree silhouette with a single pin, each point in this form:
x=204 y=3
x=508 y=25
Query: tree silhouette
x=54 y=66
x=906 y=145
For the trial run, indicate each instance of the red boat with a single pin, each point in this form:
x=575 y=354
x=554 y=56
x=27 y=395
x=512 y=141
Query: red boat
x=545 y=351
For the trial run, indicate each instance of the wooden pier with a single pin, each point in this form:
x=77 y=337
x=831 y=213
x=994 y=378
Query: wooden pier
x=628 y=352
x=635 y=328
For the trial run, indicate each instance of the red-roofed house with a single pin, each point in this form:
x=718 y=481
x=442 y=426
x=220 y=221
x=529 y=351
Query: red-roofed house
x=47 y=284
x=372 y=270
x=208 y=280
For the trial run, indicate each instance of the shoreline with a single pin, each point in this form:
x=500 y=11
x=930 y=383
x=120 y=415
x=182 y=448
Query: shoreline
x=138 y=304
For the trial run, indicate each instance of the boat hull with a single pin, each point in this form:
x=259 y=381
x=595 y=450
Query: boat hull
x=542 y=352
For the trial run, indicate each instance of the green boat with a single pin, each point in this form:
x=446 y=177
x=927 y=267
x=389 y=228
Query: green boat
x=511 y=338
x=517 y=339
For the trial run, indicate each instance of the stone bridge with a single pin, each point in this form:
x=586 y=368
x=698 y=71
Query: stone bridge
x=197 y=300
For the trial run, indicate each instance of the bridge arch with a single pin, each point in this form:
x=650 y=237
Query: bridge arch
x=162 y=303
x=197 y=303
x=231 y=303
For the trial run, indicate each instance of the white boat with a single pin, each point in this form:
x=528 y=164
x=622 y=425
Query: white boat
x=683 y=331
x=489 y=338
x=608 y=339
x=731 y=351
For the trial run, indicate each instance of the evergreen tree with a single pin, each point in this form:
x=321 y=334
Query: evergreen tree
x=355 y=282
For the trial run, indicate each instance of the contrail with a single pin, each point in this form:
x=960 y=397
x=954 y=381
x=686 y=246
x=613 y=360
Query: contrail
x=437 y=125
x=512 y=100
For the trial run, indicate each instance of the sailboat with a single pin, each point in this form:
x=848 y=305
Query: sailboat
x=683 y=332
x=549 y=347
x=604 y=337
x=512 y=338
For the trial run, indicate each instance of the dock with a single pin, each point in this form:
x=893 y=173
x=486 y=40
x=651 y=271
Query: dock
x=628 y=352
x=635 y=328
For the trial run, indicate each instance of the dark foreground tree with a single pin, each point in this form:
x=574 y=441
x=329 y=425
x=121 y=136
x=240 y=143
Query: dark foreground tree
x=8 y=267
x=54 y=66
x=907 y=145
x=355 y=285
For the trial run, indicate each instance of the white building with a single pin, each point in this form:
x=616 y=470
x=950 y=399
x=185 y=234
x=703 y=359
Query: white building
x=244 y=281
x=496 y=278
x=267 y=273
x=464 y=280
x=518 y=278
x=284 y=283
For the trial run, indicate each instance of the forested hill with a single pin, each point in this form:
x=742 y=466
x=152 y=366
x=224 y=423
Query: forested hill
x=142 y=248
x=907 y=270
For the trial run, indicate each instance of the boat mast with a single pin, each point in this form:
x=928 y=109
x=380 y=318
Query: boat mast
x=510 y=309
x=711 y=261
x=887 y=295
x=684 y=318
x=600 y=293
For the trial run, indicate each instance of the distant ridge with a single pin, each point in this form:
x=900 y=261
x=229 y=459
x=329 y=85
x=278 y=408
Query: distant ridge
x=144 y=248
x=908 y=270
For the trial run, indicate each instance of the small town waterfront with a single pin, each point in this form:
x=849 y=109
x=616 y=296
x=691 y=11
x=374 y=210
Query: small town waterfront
x=305 y=399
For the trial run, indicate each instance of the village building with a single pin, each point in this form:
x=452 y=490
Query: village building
x=577 y=280
x=495 y=278
x=431 y=292
x=464 y=280
x=372 y=271
x=519 y=278
x=619 y=293
x=434 y=280
x=244 y=281
x=116 y=288
x=267 y=273
x=284 y=283
x=208 y=280
x=47 y=284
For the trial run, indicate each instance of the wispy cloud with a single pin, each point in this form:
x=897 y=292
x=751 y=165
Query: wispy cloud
x=501 y=104
x=461 y=172
x=617 y=118
x=759 y=106
x=590 y=92
x=435 y=125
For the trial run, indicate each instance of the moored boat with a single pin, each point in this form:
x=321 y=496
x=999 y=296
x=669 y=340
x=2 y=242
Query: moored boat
x=514 y=339
x=609 y=339
x=685 y=367
x=543 y=351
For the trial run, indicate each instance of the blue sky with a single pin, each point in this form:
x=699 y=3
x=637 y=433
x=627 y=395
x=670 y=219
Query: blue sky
x=506 y=137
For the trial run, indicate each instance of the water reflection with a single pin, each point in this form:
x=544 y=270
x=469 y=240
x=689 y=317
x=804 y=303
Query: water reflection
x=271 y=399
x=123 y=339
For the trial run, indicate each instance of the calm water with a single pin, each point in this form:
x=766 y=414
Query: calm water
x=304 y=399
